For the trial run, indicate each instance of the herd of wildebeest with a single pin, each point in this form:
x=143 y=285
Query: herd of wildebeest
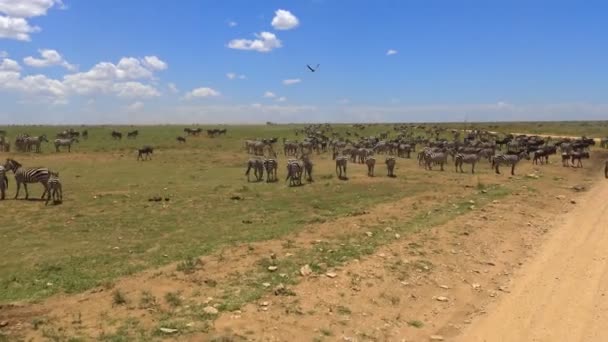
x=428 y=143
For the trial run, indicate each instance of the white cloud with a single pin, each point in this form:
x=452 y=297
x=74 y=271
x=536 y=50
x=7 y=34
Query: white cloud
x=284 y=20
x=9 y=65
x=3 y=54
x=391 y=52
x=281 y=99
x=14 y=14
x=49 y=58
x=269 y=94
x=232 y=23
x=154 y=63
x=202 y=92
x=16 y=28
x=134 y=90
x=266 y=42
x=135 y=106
x=233 y=76
x=292 y=81
x=173 y=88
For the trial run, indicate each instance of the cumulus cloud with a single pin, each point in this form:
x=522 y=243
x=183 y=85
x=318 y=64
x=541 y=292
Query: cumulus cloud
x=284 y=20
x=14 y=14
x=391 y=52
x=265 y=42
x=292 y=81
x=134 y=90
x=49 y=58
x=154 y=63
x=9 y=65
x=269 y=94
x=202 y=92
x=173 y=88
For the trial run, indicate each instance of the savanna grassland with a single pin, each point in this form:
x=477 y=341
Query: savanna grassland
x=108 y=264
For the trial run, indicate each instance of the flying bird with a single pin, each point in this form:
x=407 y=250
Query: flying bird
x=312 y=69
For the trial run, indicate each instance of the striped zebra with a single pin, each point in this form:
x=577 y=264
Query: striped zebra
x=431 y=158
x=54 y=188
x=371 y=164
x=65 y=142
x=257 y=166
x=461 y=158
x=341 y=162
x=307 y=164
x=271 y=167
x=508 y=159
x=294 y=172
x=35 y=141
x=3 y=182
x=390 y=166
x=27 y=175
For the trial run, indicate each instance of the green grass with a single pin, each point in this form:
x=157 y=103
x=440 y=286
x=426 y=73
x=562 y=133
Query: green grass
x=106 y=228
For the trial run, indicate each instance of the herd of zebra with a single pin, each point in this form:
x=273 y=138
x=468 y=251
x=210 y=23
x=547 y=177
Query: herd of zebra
x=476 y=145
x=27 y=143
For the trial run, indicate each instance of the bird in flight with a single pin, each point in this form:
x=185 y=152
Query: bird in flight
x=312 y=69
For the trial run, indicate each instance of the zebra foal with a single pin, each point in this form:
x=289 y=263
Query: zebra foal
x=54 y=188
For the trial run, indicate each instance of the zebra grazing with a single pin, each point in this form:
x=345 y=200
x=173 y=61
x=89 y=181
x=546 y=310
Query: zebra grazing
x=132 y=134
x=181 y=139
x=578 y=156
x=54 y=188
x=307 y=165
x=271 y=167
x=65 y=142
x=431 y=158
x=258 y=169
x=145 y=153
x=508 y=159
x=294 y=172
x=341 y=162
x=371 y=164
x=116 y=135
x=461 y=158
x=27 y=175
x=390 y=166
x=4 y=182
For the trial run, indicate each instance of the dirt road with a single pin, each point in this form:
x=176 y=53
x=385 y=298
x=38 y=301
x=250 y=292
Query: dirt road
x=562 y=295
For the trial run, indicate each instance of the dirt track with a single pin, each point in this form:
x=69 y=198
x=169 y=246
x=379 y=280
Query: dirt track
x=561 y=294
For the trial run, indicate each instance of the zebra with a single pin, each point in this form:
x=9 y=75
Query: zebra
x=65 y=142
x=133 y=134
x=258 y=169
x=294 y=173
x=508 y=159
x=461 y=158
x=27 y=175
x=341 y=162
x=35 y=141
x=430 y=158
x=390 y=166
x=371 y=164
x=145 y=152
x=307 y=165
x=271 y=166
x=116 y=135
x=54 y=188
x=578 y=156
x=3 y=182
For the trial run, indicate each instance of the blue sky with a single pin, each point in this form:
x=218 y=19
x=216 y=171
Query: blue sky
x=76 y=61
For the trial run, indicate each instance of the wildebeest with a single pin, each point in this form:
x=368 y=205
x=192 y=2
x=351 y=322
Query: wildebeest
x=145 y=152
x=181 y=139
x=132 y=134
x=116 y=135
